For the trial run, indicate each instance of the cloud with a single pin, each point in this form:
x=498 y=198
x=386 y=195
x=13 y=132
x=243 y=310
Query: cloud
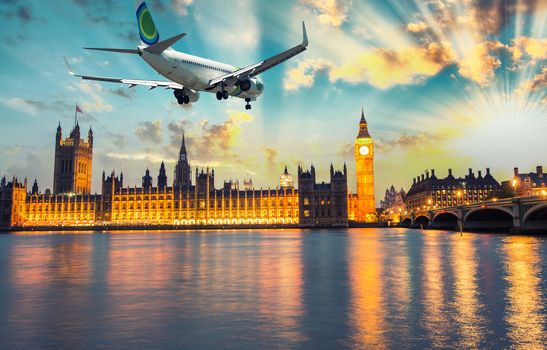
x=181 y=6
x=490 y=16
x=384 y=68
x=537 y=83
x=78 y=59
x=20 y=104
x=406 y=141
x=96 y=104
x=125 y=93
x=150 y=157
x=417 y=27
x=129 y=35
x=210 y=142
x=483 y=18
x=330 y=12
x=525 y=49
x=117 y=140
x=150 y=131
x=176 y=129
x=479 y=64
x=303 y=75
x=24 y=13
x=271 y=158
x=35 y=107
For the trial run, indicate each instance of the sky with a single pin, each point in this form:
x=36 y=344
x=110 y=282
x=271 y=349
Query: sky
x=444 y=84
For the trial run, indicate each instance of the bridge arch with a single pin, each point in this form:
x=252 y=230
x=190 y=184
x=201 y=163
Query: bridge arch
x=535 y=218
x=489 y=218
x=445 y=214
x=421 y=220
x=406 y=222
x=446 y=220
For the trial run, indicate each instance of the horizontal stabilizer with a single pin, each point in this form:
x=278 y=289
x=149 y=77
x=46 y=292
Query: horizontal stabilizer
x=113 y=50
x=161 y=46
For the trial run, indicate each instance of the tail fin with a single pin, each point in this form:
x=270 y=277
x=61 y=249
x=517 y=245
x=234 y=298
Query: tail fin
x=147 y=29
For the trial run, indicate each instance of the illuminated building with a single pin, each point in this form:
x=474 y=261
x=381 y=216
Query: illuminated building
x=183 y=202
x=393 y=204
x=325 y=203
x=73 y=159
x=527 y=185
x=429 y=192
x=285 y=180
x=362 y=204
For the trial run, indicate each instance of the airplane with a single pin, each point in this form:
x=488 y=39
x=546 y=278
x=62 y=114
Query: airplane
x=187 y=74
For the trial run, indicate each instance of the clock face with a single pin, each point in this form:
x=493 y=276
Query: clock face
x=364 y=150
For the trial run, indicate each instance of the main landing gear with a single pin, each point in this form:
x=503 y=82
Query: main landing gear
x=222 y=95
x=248 y=105
x=181 y=97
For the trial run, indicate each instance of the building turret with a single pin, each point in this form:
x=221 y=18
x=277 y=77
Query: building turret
x=90 y=137
x=183 y=172
x=147 y=181
x=162 y=178
x=35 y=187
x=75 y=134
x=285 y=180
x=59 y=135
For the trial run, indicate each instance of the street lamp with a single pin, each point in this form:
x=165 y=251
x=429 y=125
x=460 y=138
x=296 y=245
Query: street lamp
x=514 y=184
x=459 y=194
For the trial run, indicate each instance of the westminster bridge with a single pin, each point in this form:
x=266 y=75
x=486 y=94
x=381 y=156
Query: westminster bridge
x=518 y=215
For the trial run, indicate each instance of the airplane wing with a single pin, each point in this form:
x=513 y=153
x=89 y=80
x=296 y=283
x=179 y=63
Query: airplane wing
x=257 y=68
x=152 y=84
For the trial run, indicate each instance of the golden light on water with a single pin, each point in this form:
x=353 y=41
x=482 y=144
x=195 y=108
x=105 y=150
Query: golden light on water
x=367 y=292
x=525 y=303
x=464 y=260
x=435 y=318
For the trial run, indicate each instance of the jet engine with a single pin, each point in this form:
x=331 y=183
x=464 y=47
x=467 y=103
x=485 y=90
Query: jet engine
x=185 y=96
x=253 y=86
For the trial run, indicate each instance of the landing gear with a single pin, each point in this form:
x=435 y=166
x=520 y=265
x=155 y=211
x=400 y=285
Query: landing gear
x=181 y=97
x=248 y=105
x=222 y=95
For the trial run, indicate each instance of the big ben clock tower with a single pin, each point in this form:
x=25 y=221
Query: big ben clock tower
x=364 y=161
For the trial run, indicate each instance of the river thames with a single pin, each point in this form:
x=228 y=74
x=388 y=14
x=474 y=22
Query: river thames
x=267 y=289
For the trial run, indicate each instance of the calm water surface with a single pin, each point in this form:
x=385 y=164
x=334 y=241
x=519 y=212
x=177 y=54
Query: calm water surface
x=320 y=289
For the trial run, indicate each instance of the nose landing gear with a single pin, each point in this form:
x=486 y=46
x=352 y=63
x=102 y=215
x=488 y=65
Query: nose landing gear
x=248 y=105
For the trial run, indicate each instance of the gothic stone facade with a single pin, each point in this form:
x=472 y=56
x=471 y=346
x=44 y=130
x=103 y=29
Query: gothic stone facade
x=183 y=203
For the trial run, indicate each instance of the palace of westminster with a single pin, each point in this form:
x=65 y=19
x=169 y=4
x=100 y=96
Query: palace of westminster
x=188 y=200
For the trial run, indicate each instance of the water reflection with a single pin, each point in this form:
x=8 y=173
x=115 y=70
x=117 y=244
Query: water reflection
x=525 y=312
x=468 y=315
x=359 y=288
x=280 y=289
x=367 y=291
x=435 y=315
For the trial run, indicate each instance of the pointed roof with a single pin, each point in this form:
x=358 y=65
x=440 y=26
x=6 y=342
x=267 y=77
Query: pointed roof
x=363 y=127
x=363 y=120
x=183 y=145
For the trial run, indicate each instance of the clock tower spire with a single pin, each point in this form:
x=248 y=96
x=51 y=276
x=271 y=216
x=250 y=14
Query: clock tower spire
x=183 y=179
x=364 y=165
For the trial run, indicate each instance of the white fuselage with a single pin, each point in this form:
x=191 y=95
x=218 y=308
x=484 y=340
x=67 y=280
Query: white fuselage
x=195 y=72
